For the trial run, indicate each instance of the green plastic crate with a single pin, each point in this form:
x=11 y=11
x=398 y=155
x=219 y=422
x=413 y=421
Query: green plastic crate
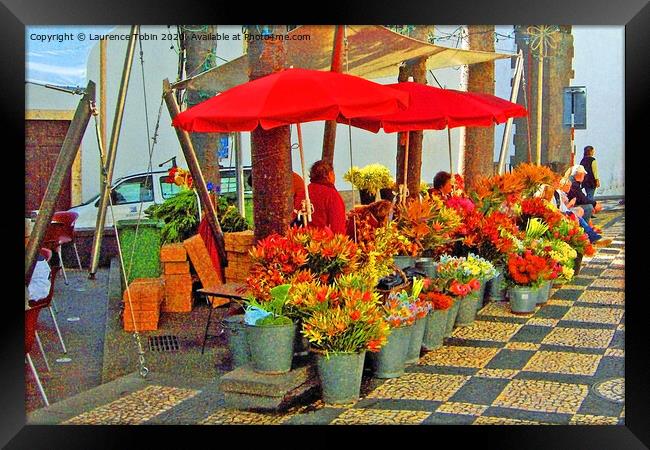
x=146 y=256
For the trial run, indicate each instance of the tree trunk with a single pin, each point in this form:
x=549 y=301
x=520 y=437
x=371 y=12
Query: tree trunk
x=199 y=57
x=270 y=150
x=416 y=68
x=329 y=135
x=479 y=141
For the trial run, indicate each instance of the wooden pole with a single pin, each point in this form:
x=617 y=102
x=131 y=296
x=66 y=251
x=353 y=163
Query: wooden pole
x=329 y=136
x=102 y=89
x=62 y=167
x=197 y=176
x=307 y=217
x=112 y=151
x=540 y=78
x=508 y=127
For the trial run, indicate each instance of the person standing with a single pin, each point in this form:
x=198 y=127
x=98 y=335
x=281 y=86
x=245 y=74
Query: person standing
x=592 y=181
x=329 y=207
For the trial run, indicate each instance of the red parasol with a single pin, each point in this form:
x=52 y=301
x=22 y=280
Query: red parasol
x=291 y=96
x=432 y=108
x=288 y=97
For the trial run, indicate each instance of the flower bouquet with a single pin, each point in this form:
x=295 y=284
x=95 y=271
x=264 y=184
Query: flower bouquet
x=371 y=178
x=458 y=280
x=400 y=315
x=525 y=274
x=436 y=323
x=341 y=322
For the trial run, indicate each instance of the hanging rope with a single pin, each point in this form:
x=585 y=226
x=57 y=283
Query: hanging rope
x=143 y=369
x=150 y=147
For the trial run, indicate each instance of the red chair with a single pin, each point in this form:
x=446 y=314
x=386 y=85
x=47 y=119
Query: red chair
x=31 y=319
x=47 y=303
x=59 y=232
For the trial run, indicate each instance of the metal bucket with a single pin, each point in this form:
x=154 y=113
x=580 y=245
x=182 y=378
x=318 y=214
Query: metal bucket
x=237 y=342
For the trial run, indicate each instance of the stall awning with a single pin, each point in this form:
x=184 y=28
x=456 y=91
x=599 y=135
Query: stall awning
x=373 y=52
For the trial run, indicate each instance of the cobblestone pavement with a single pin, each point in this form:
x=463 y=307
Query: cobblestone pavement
x=562 y=364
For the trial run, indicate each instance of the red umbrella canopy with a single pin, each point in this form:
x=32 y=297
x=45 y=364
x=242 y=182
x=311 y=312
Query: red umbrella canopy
x=291 y=96
x=432 y=108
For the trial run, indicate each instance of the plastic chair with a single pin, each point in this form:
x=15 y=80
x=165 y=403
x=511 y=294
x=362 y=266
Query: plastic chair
x=47 y=303
x=31 y=319
x=60 y=231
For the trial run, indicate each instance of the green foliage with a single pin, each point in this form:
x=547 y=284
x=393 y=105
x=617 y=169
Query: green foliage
x=180 y=215
x=229 y=218
x=275 y=306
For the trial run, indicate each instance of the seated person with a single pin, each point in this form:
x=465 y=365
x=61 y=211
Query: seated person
x=328 y=205
x=578 y=174
x=559 y=199
x=442 y=185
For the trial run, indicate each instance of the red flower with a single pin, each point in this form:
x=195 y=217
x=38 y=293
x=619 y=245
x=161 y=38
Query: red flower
x=355 y=315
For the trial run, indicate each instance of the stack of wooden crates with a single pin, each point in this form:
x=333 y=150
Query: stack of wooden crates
x=239 y=261
x=144 y=306
x=177 y=278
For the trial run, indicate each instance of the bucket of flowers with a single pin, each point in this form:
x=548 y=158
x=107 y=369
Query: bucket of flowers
x=390 y=361
x=420 y=308
x=341 y=322
x=484 y=271
x=526 y=272
x=562 y=257
x=270 y=332
x=570 y=232
x=463 y=286
x=436 y=323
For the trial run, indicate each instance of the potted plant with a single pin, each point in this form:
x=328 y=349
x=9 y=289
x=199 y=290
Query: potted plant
x=561 y=254
x=420 y=309
x=390 y=361
x=341 y=322
x=458 y=281
x=483 y=270
x=270 y=332
x=436 y=326
x=525 y=274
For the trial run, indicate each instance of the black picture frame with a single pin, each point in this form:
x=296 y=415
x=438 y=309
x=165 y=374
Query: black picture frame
x=633 y=14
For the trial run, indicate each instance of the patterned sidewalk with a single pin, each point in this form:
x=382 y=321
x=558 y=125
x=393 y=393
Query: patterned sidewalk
x=562 y=364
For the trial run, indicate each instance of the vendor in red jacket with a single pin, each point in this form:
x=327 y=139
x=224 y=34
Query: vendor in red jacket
x=329 y=208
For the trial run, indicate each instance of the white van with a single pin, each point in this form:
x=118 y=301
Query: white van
x=146 y=189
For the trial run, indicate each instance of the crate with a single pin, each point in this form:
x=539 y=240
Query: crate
x=176 y=268
x=178 y=293
x=173 y=253
x=146 y=297
x=201 y=261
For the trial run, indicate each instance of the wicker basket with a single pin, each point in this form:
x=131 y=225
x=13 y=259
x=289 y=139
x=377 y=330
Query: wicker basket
x=404 y=286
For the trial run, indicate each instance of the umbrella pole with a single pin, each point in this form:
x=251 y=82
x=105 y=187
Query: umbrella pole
x=451 y=167
x=404 y=190
x=307 y=217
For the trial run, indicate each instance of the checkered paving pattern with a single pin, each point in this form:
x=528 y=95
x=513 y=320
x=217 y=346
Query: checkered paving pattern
x=562 y=364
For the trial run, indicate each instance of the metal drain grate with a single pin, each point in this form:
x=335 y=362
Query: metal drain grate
x=165 y=343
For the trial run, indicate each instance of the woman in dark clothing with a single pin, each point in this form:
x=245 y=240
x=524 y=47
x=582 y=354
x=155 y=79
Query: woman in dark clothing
x=578 y=174
x=329 y=208
x=591 y=181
